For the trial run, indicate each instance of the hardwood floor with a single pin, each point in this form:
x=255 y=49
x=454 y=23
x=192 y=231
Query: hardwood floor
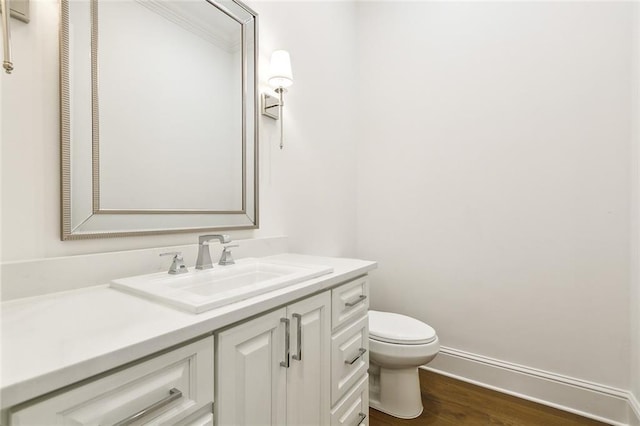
x=451 y=402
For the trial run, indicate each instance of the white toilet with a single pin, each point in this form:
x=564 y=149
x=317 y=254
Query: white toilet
x=398 y=345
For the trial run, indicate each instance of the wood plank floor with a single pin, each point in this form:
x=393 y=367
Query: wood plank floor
x=451 y=402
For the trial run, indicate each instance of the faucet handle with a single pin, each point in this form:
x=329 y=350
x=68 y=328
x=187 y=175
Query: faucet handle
x=177 y=266
x=225 y=257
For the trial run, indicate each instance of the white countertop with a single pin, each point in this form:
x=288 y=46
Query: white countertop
x=55 y=340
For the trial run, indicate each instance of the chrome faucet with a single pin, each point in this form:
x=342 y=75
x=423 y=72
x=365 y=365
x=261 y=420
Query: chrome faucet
x=226 y=258
x=204 y=257
x=177 y=266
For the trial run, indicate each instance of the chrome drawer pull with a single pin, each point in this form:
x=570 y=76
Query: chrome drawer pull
x=298 y=355
x=361 y=418
x=355 y=302
x=285 y=363
x=361 y=352
x=174 y=394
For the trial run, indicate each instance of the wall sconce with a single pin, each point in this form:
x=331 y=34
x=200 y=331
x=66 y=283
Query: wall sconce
x=280 y=77
x=18 y=9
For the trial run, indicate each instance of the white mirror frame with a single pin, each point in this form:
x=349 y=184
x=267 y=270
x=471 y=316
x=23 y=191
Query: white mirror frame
x=97 y=223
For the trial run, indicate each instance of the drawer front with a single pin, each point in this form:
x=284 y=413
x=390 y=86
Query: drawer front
x=204 y=420
x=349 y=357
x=203 y=417
x=159 y=391
x=353 y=410
x=349 y=301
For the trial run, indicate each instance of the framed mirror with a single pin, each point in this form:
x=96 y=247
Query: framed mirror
x=158 y=117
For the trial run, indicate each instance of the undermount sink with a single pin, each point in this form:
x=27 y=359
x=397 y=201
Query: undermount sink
x=199 y=291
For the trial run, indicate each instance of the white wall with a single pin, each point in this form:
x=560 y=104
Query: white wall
x=635 y=218
x=309 y=186
x=307 y=190
x=493 y=176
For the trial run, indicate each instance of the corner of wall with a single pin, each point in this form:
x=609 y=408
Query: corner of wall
x=634 y=410
x=635 y=216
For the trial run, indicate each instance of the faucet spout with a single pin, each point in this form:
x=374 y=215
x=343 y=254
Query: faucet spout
x=223 y=238
x=204 y=257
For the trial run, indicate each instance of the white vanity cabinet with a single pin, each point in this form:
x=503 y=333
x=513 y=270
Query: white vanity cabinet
x=274 y=369
x=304 y=364
x=174 y=388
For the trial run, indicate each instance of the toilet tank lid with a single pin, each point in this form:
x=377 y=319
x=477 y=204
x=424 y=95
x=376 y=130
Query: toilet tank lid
x=397 y=328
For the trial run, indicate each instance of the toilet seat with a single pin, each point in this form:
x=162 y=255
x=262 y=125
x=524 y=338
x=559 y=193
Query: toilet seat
x=400 y=329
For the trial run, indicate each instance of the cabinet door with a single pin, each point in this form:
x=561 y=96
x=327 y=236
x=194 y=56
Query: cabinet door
x=308 y=376
x=250 y=382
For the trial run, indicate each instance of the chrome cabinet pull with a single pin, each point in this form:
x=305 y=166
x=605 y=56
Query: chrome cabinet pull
x=355 y=302
x=285 y=363
x=174 y=394
x=361 y=352
x=6 y=12
x=361 y=417
x=298 y=355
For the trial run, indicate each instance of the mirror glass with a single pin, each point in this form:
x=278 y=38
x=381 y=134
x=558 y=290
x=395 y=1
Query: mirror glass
x=158 y=116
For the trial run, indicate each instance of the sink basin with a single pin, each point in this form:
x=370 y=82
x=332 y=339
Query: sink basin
x=199 y=291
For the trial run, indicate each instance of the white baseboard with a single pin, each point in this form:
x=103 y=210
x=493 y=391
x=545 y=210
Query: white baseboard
x=634 y=410
x=606 y=404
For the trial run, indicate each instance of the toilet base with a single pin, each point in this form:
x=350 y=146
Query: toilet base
x=395 y=391
x=399 y=416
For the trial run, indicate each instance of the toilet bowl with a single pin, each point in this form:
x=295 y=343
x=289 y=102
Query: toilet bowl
x=398 y=345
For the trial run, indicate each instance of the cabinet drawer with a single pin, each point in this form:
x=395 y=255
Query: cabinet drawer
x=353 y=410
x=349 y=357
x=204 y=420
x=349 y=301
x=163 y=390
x=203 y=417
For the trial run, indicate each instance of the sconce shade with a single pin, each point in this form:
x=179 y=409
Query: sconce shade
x=280 y=69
